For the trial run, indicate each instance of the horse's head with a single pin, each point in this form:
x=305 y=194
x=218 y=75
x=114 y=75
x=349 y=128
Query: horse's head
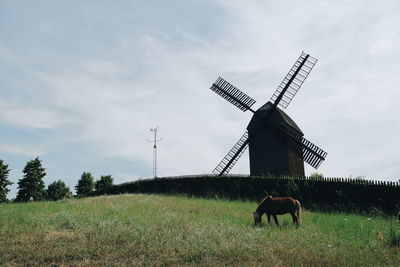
x=257 y=217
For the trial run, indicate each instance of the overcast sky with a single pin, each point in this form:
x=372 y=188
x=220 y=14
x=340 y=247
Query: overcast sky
x=82 y=82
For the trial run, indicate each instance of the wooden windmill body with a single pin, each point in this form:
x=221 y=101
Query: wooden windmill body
x=268 y=154
x=276 y=143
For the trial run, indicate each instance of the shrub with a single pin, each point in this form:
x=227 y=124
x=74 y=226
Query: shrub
x=57 y=190
x=85 y=184
x=105 y=183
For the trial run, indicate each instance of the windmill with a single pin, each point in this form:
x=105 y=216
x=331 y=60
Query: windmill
x=276 y=144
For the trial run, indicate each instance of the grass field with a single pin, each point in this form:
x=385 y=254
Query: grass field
x=167 y=230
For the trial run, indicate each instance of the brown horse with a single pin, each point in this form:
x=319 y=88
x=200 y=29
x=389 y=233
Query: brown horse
x=278 y=205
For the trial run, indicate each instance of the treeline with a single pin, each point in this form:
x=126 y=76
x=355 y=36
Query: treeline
x=31 y=186
x=317 y=192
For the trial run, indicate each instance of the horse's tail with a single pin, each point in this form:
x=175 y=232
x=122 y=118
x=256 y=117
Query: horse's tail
x=298 y=211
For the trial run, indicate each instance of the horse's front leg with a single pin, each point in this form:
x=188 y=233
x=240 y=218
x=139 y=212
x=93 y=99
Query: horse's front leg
x=294 y=218
x=269 y=218
x=276 y=219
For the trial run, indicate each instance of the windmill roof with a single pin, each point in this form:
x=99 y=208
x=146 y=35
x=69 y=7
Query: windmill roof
x=276 y=117
x=289 y=121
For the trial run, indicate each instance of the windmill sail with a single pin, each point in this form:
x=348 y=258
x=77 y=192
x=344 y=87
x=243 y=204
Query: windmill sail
x=233 y=156
x=303 y=148
x=232 y=94
x=293 y=80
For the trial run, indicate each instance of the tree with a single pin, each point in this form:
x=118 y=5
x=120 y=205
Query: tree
x=4 y=182
x=85 y=184
x=32 y=184
x=57 y=190
x=104 y=184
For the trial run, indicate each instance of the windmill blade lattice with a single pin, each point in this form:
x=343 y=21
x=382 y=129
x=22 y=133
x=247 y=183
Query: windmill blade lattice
x=232 y=94
x=303 y=148
x=293 y=80
x=233 y=156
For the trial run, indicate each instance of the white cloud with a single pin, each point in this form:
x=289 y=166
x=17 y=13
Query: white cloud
x=22 y=115
x=20 y=150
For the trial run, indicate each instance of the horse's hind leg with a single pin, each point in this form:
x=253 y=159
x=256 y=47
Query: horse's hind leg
x=275 y=219
x=294 y=218
x=269 y=218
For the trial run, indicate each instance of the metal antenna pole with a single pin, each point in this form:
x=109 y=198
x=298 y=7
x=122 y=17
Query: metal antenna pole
x=154 y=150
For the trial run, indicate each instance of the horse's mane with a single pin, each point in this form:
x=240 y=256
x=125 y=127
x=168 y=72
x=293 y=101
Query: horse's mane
x=263 y=203
x=269 y=196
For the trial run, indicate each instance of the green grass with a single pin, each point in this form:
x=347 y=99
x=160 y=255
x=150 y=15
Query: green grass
x=166 y=230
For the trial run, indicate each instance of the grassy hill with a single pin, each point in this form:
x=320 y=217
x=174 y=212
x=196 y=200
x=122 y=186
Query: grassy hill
x=167 y=230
